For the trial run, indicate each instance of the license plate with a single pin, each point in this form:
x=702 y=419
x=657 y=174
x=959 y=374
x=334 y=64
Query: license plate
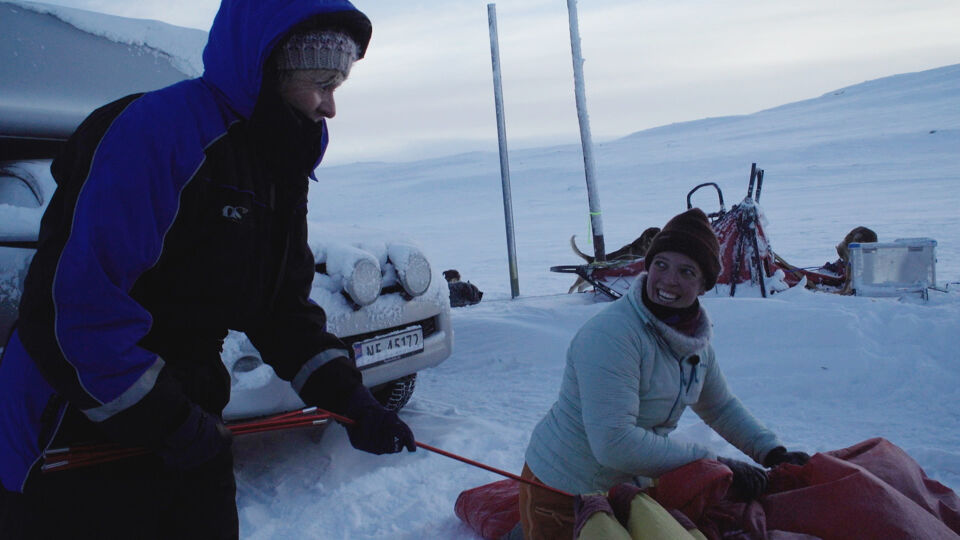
x=389 y=347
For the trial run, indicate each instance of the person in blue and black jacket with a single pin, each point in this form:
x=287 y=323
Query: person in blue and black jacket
x=180 y=214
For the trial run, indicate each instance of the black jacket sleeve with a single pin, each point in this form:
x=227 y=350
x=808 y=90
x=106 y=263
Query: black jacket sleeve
x=293 y=339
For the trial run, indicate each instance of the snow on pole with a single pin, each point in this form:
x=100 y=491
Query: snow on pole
x=504 y=159
x=586 y=141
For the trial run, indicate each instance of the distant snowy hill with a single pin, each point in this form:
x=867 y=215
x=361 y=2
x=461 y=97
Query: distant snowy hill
x=883 y=154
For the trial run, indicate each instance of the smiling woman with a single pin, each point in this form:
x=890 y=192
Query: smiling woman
x=631 y=372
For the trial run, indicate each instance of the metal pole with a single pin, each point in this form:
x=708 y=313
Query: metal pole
x=586 y=141
x=504 y=159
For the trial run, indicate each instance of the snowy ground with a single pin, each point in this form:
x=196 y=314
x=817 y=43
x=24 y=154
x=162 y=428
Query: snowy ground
x=823 y=371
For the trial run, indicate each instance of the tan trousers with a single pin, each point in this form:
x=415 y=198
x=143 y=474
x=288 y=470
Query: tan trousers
x=544 y=515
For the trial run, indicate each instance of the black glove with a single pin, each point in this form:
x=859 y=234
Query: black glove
x=376 y=429
x=200 y=438
x=749 y=482
x=780 y=455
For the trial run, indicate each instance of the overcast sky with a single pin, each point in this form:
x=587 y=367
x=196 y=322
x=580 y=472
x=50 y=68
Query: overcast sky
x=426 y=89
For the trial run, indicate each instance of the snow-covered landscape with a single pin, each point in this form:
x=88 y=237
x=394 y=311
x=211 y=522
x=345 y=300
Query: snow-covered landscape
x=823 y=371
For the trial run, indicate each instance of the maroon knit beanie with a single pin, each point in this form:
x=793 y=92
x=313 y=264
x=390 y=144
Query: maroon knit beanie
x=690 y=233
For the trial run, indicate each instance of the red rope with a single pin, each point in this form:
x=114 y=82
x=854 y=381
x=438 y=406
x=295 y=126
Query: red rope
x=491 y=469
x=61 y=459
x=451 y=455
x=72 y=457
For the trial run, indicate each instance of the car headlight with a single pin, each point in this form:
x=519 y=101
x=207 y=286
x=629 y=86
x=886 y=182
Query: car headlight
x=359 y=272
x=363 y=283
x=413 y=269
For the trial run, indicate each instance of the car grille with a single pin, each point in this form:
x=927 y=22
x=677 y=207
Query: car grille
x=429 y=326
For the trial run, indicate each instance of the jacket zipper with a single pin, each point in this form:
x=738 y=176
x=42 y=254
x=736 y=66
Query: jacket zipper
x=682 y=377
x=679 y=393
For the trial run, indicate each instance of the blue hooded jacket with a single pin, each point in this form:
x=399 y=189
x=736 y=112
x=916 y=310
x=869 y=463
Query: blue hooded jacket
x=134 y=167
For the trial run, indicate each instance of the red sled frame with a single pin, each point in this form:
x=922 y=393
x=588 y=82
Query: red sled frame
x=745 y=253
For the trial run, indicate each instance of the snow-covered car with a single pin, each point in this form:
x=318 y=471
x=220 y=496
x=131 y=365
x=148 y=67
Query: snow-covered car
x=381 y=297
x=379 y=292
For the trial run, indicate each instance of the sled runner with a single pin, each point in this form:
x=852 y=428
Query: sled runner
x=612 y=278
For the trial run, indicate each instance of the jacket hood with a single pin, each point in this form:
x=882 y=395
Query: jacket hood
x=245 y=32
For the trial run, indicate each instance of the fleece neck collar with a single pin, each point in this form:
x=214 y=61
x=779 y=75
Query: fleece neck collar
x=682 y=344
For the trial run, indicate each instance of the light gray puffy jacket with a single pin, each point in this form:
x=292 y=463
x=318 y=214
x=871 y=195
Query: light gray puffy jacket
x=628 y=379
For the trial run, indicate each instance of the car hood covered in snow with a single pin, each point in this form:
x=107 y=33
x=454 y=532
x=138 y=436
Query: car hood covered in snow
x=33 y=101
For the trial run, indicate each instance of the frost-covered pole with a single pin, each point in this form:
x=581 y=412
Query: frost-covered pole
x=596 y=221
x=504 y=160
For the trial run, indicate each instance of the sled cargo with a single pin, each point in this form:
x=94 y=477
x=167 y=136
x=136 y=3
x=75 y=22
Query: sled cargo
x=906 y=265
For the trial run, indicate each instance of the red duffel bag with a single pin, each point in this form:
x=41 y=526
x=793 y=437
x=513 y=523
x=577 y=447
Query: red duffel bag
x=491 y=509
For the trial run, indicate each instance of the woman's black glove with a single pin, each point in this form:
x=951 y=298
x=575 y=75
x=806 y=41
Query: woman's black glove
x=376 y=429
x=337 y=386
x=749 y=482
x=780 y=455
x=200 y=438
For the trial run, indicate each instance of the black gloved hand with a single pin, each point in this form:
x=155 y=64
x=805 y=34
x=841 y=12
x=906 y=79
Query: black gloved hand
x=200 y=438
x=780 y=455
x=376 y=429
x=749 y=482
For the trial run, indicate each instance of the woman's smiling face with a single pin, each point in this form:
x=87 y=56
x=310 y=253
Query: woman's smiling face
x=674 y=280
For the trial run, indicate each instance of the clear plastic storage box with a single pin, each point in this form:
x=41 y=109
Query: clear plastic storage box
x=906 y=265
